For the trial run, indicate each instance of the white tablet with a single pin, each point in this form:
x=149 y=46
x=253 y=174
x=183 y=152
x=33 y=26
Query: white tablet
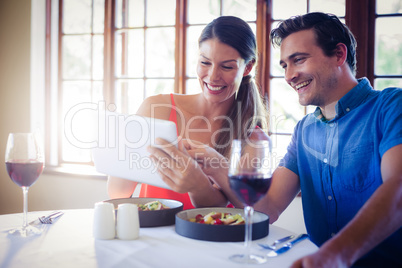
x=122 y=146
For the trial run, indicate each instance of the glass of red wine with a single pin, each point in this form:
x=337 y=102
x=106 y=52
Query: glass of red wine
x=24 y=163
x=250 y=174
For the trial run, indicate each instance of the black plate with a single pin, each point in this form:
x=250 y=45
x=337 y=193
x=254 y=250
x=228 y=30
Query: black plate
x=221 y=233
x=156 y=217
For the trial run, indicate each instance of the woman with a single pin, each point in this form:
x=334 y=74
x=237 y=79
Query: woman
x=229 y=107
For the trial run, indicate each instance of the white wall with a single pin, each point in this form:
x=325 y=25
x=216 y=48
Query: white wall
x=292 y=218
x=51 y=191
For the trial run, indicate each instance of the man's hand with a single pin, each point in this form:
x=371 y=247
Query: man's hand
x=321 y=258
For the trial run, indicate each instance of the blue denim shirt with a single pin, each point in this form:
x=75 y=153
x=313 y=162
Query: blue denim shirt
x=338 y=161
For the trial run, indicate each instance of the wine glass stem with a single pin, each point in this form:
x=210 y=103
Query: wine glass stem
x=248 y=212
x=25 y=210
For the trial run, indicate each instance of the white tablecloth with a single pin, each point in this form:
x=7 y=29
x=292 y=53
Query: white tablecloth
x=69 y=243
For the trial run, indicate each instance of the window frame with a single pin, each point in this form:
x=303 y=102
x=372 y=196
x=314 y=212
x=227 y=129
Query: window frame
x=109 y=59
x=359 y=16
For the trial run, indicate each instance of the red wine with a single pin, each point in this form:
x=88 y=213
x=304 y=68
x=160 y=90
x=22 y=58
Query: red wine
x=248 y=188
x=24 y=174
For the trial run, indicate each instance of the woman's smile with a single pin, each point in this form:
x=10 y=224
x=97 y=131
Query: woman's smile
x=214 y=89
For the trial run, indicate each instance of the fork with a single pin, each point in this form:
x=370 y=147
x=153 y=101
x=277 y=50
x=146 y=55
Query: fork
x=49 y=219
x=276 y=242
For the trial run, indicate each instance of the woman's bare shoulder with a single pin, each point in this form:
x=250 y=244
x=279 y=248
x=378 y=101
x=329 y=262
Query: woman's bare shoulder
x=158 y=99
x=157 y=106
x=186 y=102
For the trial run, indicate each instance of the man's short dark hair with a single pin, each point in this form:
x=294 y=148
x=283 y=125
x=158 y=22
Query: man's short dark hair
x=328 y=29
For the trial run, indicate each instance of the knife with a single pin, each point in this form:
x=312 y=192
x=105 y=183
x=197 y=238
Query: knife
x=287 y=246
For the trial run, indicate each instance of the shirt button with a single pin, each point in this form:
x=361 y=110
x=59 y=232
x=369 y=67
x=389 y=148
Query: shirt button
x=331 y=125
x=347 y=109
x=333 y=234
x=329 y=198
x=325 y=160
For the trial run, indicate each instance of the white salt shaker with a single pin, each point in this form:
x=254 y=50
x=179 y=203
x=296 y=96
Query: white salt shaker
x=104 y=226
x=128 y=224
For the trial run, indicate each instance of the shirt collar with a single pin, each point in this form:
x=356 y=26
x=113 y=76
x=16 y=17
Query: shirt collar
x=318 y=114
x=350 y=101
x=354 y=97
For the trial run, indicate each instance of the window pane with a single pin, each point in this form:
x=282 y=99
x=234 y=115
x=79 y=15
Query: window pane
x=77 y=57
x=285 y=9
x=135 y=95
x=77 y=98
x=253 y=27
x=97 y=92
x=388 y=56
x=75 y=93
x=276 y=68
x=133 y=15
x=285 y=108
x=336 y=7
x=135 y=55
x=389 y=6
x=99 y=16
x=160 y=49
x=279 y=147
x=240 y=8
x=159 y=86
x=193 y=86
x=129 y=95
x=380 y=84
x=193 y=33
x=77 y=16
x=97 y=67
x=161 y=12
x=71 y=153
x=131 y=63
x=202 y=11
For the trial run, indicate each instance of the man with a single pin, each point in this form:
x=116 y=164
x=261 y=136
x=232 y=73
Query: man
x=346 y=157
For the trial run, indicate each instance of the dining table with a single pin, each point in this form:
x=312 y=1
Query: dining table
x=69 y=242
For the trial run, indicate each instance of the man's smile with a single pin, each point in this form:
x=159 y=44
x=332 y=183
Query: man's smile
x=303 y=84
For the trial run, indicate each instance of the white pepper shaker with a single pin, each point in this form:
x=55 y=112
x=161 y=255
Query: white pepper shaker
x=128 y=224
x=104 y=226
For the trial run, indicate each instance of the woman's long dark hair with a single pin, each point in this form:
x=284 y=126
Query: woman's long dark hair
x=249 y=111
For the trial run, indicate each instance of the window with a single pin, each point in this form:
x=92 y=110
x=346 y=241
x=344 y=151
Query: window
x=388 y=44
x=144 y=42
x=115 y=53
x=81 y=45
x=118 y=52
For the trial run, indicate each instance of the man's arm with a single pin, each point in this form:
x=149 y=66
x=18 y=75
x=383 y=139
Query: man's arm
x=376 y=220
x=284 y=187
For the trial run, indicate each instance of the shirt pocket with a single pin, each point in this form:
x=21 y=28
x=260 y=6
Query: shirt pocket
x=357 y=171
